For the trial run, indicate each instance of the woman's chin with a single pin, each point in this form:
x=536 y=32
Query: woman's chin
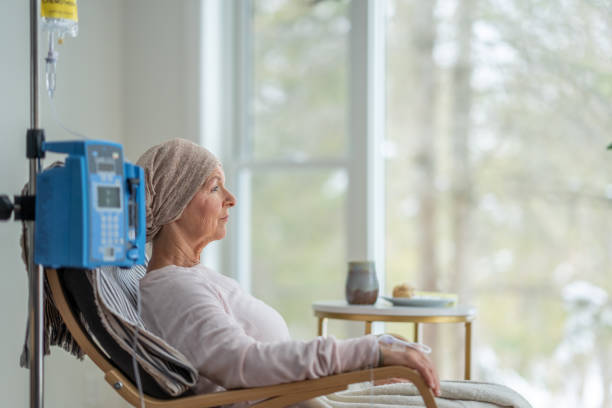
x=221 y=234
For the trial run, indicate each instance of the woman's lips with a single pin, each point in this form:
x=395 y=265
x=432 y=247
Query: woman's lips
x=225 y=218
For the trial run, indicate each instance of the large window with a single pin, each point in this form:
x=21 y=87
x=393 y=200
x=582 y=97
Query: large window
x=299 y=68
x=498 y=185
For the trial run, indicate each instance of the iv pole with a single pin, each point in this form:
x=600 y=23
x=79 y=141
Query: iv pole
x=35 y=272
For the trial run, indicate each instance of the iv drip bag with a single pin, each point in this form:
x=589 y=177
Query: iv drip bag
x=60 y=17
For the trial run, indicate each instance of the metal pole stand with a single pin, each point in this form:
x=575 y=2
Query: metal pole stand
x=36 y=312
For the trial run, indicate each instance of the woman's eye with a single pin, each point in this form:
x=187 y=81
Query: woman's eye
x=215 y=188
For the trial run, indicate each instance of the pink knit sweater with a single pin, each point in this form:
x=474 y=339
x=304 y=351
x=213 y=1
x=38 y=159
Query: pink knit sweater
x=235 y=340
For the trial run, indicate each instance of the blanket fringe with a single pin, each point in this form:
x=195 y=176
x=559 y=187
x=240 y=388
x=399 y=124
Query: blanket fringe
x=55 y=332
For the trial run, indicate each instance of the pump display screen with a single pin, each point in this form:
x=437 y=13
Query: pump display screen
x=108 y=197
x=106 y=166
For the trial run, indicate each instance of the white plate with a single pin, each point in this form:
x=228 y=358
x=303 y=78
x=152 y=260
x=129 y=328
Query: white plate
x=419 y=301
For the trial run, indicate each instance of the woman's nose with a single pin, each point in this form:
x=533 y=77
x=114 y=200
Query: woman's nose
x=230 y=199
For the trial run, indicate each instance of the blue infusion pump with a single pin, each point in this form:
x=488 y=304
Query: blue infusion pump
x=91 y=211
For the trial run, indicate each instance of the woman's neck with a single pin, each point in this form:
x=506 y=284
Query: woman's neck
x=170 y=248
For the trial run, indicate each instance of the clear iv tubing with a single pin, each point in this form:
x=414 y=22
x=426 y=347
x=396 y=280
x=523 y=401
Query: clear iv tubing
x=395 y=342
x=51 y=61
x=59 y=122
x=134 y=362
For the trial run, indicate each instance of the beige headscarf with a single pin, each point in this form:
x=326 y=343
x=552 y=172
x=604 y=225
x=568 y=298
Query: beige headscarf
x=174 y=171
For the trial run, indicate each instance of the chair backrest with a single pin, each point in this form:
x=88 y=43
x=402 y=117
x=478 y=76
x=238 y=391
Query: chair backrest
x=80 y=298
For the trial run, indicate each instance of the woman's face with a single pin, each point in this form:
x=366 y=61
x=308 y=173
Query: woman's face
x=205 y=218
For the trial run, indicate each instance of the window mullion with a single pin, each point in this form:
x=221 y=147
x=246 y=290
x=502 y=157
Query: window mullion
x=245 y=71
x=243 y=136
x=365 y=203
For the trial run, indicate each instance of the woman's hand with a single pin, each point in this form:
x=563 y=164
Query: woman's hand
x=411 y=358
x=394 y=380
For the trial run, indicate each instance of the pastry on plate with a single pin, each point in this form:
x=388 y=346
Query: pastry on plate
x=403 y=291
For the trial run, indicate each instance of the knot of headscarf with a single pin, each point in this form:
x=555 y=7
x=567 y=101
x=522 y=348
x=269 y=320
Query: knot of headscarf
x=174 y=171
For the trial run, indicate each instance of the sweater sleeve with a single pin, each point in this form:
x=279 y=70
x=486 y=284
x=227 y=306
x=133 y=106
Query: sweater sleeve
x=220 y=349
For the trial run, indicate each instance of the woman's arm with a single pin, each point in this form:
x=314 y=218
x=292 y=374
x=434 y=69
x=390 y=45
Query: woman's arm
x=225 y=354
x=195 y=320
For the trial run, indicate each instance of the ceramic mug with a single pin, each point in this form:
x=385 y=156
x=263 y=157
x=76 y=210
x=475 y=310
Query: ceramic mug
x=361 y=283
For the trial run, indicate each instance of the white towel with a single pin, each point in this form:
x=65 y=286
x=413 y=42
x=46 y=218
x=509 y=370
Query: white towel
x=455 y=394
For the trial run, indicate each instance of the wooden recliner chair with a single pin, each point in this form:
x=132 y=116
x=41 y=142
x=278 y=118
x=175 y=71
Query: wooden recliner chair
x=73 y=295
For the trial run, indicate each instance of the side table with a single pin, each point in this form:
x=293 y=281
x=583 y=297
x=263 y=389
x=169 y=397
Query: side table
x=380 y=312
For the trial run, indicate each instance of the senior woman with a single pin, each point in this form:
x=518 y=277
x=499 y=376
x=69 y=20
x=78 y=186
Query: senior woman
x=233 y=339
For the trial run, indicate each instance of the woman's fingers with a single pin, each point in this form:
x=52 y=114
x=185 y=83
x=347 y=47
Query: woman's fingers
x=390 y=381
x=428 y=372
x=427 y=375
x=435 y=386
x=435 y=381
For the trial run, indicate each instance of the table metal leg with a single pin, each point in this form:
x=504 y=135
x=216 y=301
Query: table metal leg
x=368 y=327
x=322 y=327
x=416 y=332
x=468 y=350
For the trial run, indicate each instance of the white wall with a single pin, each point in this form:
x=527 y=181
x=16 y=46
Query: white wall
x=129 y=76
x=161 y=65
x=13 y=172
